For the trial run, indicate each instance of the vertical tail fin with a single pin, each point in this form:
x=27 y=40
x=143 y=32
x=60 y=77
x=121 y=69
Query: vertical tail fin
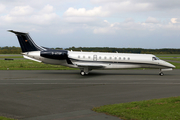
x=26 y=43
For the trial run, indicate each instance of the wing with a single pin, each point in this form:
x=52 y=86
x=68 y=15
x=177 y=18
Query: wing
x=90 y=66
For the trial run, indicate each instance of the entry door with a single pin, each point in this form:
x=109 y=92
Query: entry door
x=94 y=57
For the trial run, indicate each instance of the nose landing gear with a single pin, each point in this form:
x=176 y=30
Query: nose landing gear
x=161 y=73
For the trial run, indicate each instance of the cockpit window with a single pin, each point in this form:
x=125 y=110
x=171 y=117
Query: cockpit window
x=155 y=58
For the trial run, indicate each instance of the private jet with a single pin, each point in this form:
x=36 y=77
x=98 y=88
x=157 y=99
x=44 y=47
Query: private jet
x=87 y=61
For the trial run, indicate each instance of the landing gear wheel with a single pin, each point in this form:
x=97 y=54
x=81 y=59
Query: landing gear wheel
x=82 y=73
x=161 y=73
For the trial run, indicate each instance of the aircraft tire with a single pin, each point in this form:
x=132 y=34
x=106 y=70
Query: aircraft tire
x=82 y=73
x=161 y=73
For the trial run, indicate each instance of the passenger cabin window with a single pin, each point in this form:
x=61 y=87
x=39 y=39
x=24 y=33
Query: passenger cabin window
x=128 y=58
x=104 y=57
x=124 y=58
x=115 y=58
x=110 y=58
x=83 y=56
x=89 y=57
x=78 y=56
x=99 y=57
x=119 y=58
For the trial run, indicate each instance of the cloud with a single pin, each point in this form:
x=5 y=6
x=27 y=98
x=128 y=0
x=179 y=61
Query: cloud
x=81 y=15
x=131 y=27
x=80 y=20
x=66 y=31
x=120 y=6
x=157 y=4
x=82 y=12
x=30 y=16
x=175 y=20
x=21 y=10
x=104 y=30
x=47 y=9
x=151 y=20
x=6 y=18
x=129 y=20
x=113 y=18
x=2 y=8
x=43 y=19
x=165 y=4
x=140 y=8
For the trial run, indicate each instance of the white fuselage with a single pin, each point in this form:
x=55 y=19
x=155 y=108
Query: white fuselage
x=118 y=60
x=104 y=60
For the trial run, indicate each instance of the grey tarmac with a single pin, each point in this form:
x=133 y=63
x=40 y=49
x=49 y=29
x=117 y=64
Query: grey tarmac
x=66 y=95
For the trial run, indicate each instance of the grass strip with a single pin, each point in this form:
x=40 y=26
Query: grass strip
x=29 y=65
x=176 y=64
x=175 y=59
x=156 y=109
x=11 y=56
x=4 y=118
x=167 y=55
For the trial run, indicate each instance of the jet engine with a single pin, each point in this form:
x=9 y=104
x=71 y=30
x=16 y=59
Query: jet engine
x=60 y=55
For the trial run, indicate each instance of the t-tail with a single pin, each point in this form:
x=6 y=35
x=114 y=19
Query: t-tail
x=40 y=54
x=26 y=43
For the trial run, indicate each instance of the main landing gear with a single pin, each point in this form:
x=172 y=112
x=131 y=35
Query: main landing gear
x=83 y=73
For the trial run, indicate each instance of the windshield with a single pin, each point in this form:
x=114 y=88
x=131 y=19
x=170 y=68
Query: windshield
x=155 y=58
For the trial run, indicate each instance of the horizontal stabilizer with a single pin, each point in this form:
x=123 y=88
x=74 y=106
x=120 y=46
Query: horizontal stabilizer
x=17 y=33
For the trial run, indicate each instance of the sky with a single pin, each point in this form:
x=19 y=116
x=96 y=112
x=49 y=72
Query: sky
x=92 y=23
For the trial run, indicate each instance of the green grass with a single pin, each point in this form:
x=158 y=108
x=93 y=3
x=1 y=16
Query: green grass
x=175 y=59
x=11 y=56
x=4 y=118
x=176 y=64
x=156 y=109
x=29 y=65
x=167 y=55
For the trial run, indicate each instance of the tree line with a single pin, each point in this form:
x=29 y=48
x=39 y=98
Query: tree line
x=17 y=50
x=10 y=50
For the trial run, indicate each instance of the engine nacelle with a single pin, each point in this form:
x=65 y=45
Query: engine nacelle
x=60 y=55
